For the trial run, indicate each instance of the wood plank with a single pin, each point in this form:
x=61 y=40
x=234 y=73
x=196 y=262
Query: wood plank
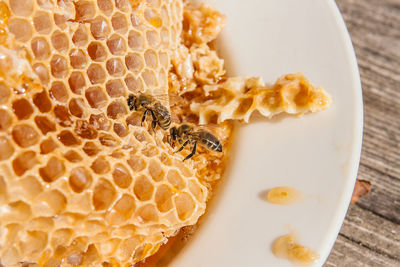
x=347 y=253
x=372 y=232
x=370 y=235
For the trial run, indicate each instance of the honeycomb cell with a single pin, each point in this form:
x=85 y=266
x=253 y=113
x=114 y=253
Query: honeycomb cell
x=120 y=129
x=91 y=149
x=59 y=92
x=106 y=6
x=20 y=28
x=40 y=48
x=76 y=82
x=176 y=179
x=24 y=162
x=116 y=109
x=115 y=88
x=164 y=60
x=122 y=210
x=162 y=77
x=135 y=40
x=163 y=198
x=6 y=148
x=59 y=40
x=134 y=62
x=116 y=45
x=41 y=72
x=148 y=213
x=74 y=259
x=62 y=116
x=149 y=78
x=108 y=140
x=47 y=146
x=136 y=163
x=72 y=156
x=104 y=195
x=165 y=159
x=60 y=237
x=17 y=211
x=68 y=138
x=53 y=170
x=123 y=5
x=4 y=93
x=133 y=84
x=142 y=136
x=99 y=122
x=96 y=97
x=151 y=59
x=3 y=190
x=119 y=23
x=164 y=36
x=77 y=59
x=30 y=186
x=121 y=176
x=22 y=108
x=149 y=150
x=80 y=179
x=25 y=135
x=97 y=52
x=54 y=200
x=60 y=21
x=59 y=66
x=152 y=18
x=42 y=22
x=5 y=120
x=185 y=205
x=115 y=67
x=85 y=130
x=44 y=124
x=96 y=74
x=100 y=165
x=153 y=39
x=143 y=188
x=33 y=243
x=80 y=37
x=99 y=28
x=42 y=101
x=77 y=107
x=196 y=190
x=155 y=170
x=134 y=119
x=84 y=10
x=41 y=223
x=21 y=7
x=244 y=106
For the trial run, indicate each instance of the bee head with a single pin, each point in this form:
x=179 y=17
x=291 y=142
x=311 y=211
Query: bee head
x=173 y=132
x=184 y=129
x=132 y=102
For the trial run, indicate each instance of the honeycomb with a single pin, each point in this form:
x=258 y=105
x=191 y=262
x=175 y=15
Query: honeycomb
x=81 y=182
x=237 y=98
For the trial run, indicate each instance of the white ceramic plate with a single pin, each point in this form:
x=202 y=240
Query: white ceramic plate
x=317 y=153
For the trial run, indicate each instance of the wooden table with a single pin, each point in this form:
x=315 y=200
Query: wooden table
x=370 y=235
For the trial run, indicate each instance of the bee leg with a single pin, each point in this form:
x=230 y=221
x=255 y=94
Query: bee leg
x=182 y=147
x=192 y=153
x=154 y=122
x=144 y=116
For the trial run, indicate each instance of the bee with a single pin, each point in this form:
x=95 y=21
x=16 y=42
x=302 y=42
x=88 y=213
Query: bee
x=186 y=134
x=150 y=104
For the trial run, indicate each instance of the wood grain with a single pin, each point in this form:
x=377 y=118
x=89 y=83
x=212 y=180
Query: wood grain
x=370 y=235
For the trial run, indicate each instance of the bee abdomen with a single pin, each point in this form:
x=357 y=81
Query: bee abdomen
x=211 y=142
x=165 y=122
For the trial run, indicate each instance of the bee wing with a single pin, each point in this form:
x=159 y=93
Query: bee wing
x=172 y=99
x=215 y=129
